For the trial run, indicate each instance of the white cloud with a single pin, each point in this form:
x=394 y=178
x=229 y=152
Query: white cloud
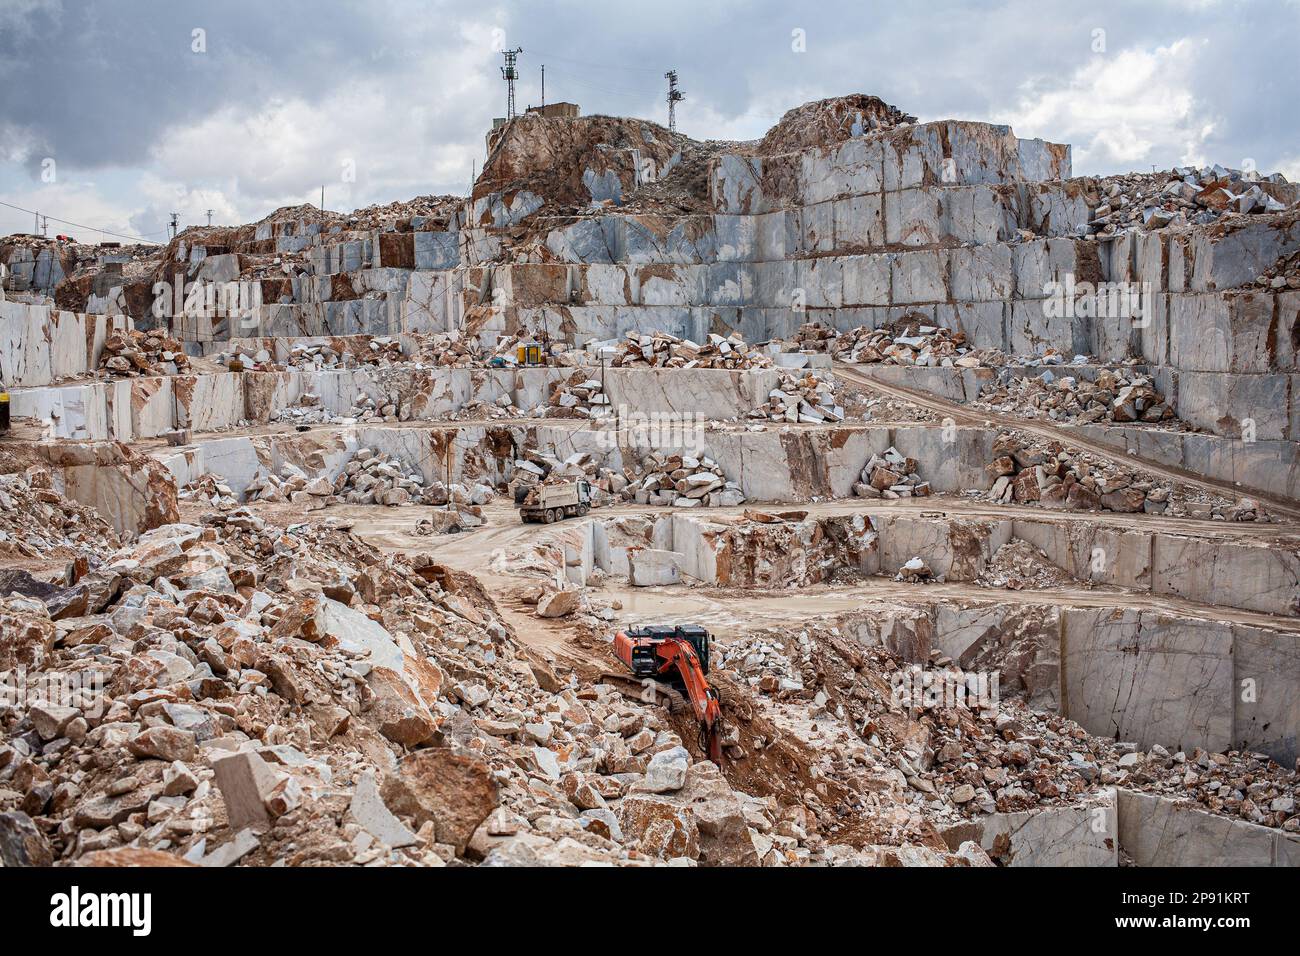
x=1122 y=110
x=83 y=203
x=365 y=141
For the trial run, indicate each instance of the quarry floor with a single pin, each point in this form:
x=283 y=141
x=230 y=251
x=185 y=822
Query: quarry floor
x=732 y=612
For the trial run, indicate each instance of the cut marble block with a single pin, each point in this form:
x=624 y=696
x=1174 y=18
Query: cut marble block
x=1149 y=678
x=1161 y=831
x=209 y=402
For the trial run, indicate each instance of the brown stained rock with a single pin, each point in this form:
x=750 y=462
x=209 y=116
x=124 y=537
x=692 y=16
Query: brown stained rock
x=998 y=467
x=723 y=834
x=105 y=811
x=1082 y=498
x=400 y=715
x=285 y=679
x=1025 y=486
x=304 y=620
x=24 y=641
x=883 y=478
x=545 y=675
x=454 y=791
x=558 y=604
x=660 y=827
x=163 y=743
x=130 y=856
x=1125 y=500
x=425 y=677
x=329 y=720
x=21 y=843
x=162 y=557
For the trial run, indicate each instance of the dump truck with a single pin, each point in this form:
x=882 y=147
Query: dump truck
x=553 y=502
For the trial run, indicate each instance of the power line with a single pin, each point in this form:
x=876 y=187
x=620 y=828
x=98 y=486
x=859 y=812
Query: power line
x=639 y=94
x=82 y=225
x=597 y=66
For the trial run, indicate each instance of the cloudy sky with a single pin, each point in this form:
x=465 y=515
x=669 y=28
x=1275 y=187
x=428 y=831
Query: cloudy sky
x=115 y=114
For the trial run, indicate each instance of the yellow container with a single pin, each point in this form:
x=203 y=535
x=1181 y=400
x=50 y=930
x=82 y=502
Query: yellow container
x=4 y=412
x=530 y=354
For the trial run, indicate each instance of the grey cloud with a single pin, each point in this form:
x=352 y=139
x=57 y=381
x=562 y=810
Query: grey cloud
x=99 y=85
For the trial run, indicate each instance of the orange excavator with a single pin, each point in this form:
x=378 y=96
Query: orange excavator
x=677 y=655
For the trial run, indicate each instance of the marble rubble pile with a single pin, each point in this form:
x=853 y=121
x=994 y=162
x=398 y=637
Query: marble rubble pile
x=308 y=411
x=1018 y=565
x=457 y=516
x=580 y=396
x=209 y=492
x=831 y=121
x=374 y=409
x=36 y=521
x=441 y=349
x=917 y=344
x=368 y=478
x=477 y=410
x=762 y=549
x=1025 y=471
x=258 y=695
x=682 y=481
x=1115 y=395
x=382 y=351
x=891 y=476
x=815 y=337
x=1181 y=197
x=371 y=478
x=1048 y=474
x=663 y=350
x=1282 y=275
x=939 y=761
x=800 y=397
x=132 y=353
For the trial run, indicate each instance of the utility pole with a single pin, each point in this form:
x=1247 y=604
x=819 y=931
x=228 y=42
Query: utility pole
x=322 y=198
x=543 y=85
x=509 y=73
x=675 y=96
x=174 y=223
x=209 y=217
x=45 y=226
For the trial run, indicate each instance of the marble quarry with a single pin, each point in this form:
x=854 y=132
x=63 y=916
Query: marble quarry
x=833 y=334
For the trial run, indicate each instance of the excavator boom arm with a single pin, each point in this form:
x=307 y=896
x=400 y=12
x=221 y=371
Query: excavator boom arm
x=679 y=655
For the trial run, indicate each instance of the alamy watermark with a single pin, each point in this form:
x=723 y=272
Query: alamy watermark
x=915 y=688
x=203 y=299
x=648 y=431
x=82 y=690
x=1070 y=299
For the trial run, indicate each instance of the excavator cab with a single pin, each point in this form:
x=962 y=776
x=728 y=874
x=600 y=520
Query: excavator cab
x=639 y=647
x=677 y=654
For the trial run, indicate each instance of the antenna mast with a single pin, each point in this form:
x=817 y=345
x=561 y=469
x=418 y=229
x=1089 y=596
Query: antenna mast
x=675 y=96
x=509 y=73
